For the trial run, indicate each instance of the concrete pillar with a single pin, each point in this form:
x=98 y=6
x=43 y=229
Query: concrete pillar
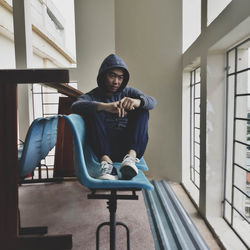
x=23 y=55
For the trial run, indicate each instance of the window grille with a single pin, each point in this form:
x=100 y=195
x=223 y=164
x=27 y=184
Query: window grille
x=237 y=158
x=195 y=127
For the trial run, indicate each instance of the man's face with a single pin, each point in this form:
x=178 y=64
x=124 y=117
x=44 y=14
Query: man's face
x=114 y=79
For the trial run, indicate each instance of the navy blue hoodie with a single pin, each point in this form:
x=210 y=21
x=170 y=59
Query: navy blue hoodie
x=87 y=103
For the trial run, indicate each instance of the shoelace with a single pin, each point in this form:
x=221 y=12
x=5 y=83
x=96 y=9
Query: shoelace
x=107 y=168
x=131 y=159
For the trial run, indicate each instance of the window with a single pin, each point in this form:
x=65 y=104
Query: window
x=236 y=194
x=191 y=21
x=214 y=8
x=195 y=127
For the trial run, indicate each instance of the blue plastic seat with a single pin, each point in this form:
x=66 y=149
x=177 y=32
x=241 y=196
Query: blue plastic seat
x=85 y=162
x=40 y=139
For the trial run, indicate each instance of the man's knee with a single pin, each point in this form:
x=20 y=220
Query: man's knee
x=140 y=114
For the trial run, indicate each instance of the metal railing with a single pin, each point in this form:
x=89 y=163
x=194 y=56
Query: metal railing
x=45 y=102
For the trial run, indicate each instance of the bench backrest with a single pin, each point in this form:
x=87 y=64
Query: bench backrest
x=85 y=162
x=40 y=139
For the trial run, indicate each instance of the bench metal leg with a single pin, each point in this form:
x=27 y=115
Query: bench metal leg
x=49 y=242
x=112 y=205
x=112 y=235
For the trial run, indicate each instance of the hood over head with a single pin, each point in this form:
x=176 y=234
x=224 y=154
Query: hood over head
x=111 y=62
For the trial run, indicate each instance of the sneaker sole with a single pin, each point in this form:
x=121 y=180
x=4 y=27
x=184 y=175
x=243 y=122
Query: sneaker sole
x=127 y=172
x=108 y=177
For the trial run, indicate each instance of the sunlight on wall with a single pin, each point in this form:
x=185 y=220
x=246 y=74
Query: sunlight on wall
x=191 y=22
x=214 y=8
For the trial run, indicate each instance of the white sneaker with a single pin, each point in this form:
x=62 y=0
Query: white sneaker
x=128 y=168
x=107 y=172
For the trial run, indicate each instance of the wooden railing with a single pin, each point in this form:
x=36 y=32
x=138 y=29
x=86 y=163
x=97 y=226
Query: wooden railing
x=65 y=89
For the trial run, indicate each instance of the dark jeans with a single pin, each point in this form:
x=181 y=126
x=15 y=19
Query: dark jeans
x=117 y=142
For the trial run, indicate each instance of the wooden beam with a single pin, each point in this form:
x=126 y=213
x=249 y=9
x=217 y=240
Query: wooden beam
x=65 y=89
x=34 y=76
x=8 y=167
x=48 y=242
x=64 y=160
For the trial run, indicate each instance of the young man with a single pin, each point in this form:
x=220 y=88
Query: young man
x=116 y=119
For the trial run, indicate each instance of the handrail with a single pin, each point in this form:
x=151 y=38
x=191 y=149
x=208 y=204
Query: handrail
x=55 y=78
x=22 y=76
x=65 y=89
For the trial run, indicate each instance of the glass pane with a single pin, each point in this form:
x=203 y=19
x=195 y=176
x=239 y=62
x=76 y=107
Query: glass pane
x=241 y=155
x=197 y=135
x=47 y=89
x=243 y=84
x=197 y=179
x=230 y=100
x=50 y=160
x=230 y=129
x=228 y=211
x=242 y=106
x=214 y=8
x=228 y=191
x=197 y=163
x=37 y=99
x=52 y=151
x=197 y=150
x=242 y=131
x=243 y=56
x=239 y=204
x=197 y=105
x=197 y=90
x=231 y=61
x=50 y=109
x=192 y=174
x=37 y=88
x=242 y=227
x=198 y=75
x=240 y=178
x=51 y=98
x=191 y=21
x=197 y=120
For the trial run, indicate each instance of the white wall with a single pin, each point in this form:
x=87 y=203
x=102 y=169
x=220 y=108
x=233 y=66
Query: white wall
x=149 y=39
x=191 y=21
x=7 y=52
x=95 y=39
x=66 y=7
